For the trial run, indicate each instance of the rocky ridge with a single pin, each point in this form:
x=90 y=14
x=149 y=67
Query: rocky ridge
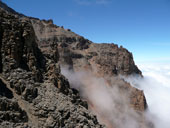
x=80 y=54
x=32 y=52
x=103 y=60
x=33 y=91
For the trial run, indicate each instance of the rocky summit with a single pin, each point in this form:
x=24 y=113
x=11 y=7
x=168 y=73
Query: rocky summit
x=33 y=91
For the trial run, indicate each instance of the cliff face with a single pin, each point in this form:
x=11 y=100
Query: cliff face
x=79 y=54
x=107 y=61
x=34 y=93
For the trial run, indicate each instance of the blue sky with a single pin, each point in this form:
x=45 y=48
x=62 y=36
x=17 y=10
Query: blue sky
x=141 y=26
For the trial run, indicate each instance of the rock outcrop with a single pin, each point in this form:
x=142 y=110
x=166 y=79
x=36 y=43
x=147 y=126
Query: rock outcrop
x=34 y=93
x=103 y=60
x=78 y=54
x=107 y=58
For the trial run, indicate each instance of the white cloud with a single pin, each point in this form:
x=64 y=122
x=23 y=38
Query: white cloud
x=156 y=86
x=107 y=102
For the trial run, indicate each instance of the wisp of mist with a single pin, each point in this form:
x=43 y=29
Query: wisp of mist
x=156 y=86
x=107 y=102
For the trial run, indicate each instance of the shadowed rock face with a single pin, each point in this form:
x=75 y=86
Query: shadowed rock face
x=31 y=53
x=5 y=91
x=33 y=92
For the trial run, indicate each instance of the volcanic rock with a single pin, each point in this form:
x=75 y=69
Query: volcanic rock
x=34 y=93
x=103 y=60
x=78 y=54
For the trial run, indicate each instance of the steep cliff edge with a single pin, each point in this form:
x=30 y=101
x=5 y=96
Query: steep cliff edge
x=32 y=52
x=107 y=61
x=79 y=54
x=108 y=58
x=33 y=92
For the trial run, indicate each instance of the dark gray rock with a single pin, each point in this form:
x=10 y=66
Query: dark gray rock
x=33 y=92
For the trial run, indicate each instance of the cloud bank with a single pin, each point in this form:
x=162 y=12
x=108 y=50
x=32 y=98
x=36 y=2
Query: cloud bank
x=107 y=102
x=156 y=86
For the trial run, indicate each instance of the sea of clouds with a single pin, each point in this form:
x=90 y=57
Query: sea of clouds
x=103 y=98
x=156 y=86
x=107 y=102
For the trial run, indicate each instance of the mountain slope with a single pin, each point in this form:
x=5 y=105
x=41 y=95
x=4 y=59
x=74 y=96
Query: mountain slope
x=31 y=57
x=33 y=91
x=107 y=61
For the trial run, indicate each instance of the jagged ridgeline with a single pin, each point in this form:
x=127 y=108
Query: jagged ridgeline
x=34 y=93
